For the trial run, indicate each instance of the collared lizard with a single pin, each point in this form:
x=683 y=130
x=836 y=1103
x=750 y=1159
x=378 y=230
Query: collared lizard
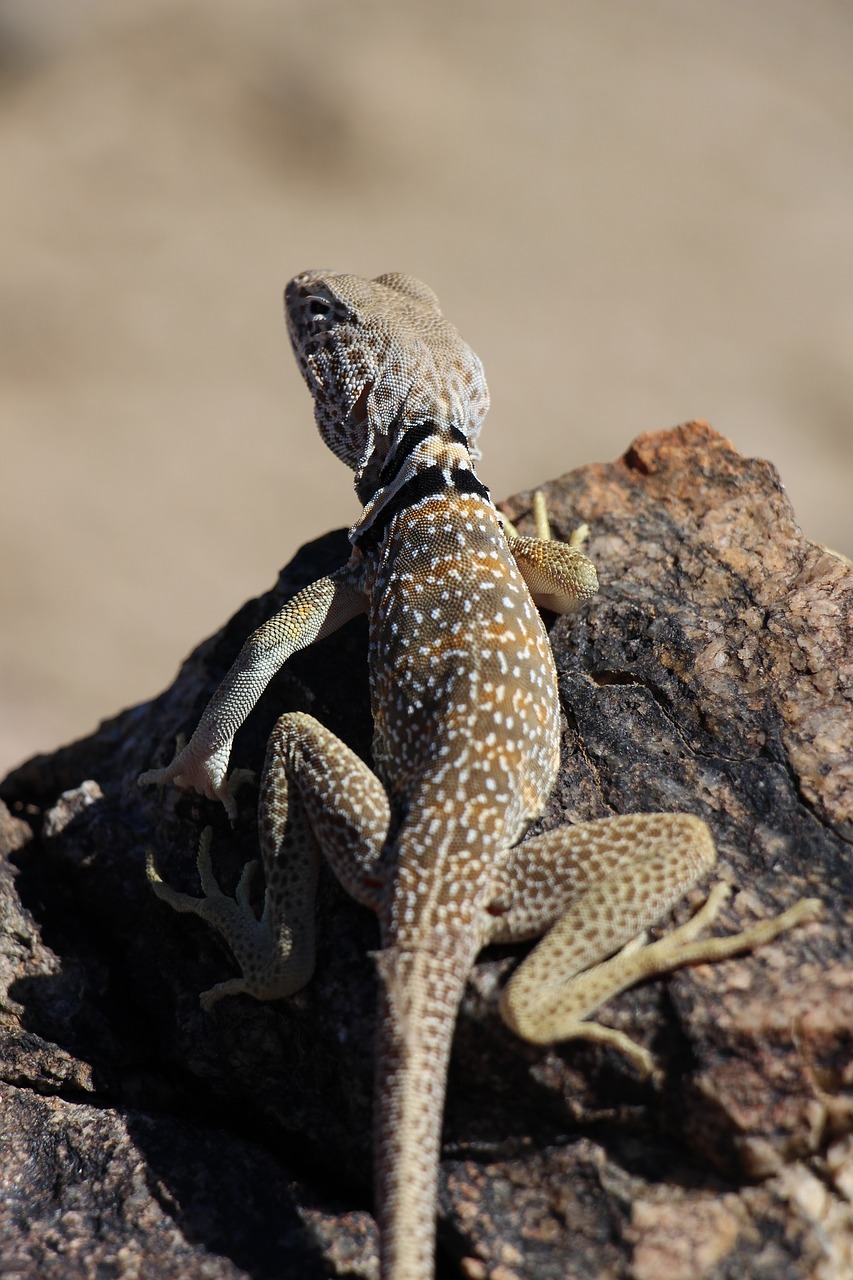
x=466 y=749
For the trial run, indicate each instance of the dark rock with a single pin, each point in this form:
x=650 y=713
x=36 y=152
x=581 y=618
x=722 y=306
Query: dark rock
x=712 y=674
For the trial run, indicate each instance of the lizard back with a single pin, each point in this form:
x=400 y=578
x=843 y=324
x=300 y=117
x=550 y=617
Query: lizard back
x=463 y=687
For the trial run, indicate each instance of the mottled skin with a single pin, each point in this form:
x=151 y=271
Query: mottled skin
x=466 y=750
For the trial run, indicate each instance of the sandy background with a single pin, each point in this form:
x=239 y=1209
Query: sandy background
x=637 y=212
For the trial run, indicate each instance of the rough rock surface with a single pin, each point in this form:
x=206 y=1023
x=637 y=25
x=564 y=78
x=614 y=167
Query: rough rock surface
x=712 y=674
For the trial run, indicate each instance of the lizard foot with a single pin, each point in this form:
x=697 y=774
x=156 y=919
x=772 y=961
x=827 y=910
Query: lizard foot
x=683 y=946
x=640 y=960
x=274 y=963
x=558 y=575
x=203 y=773
x=542 y=524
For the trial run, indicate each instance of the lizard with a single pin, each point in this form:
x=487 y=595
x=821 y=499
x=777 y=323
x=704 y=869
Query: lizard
x=465 y=748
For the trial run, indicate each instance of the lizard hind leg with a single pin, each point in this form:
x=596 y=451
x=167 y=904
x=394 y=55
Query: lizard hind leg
x=316 y=797
x=605 y=882
x=233 y=918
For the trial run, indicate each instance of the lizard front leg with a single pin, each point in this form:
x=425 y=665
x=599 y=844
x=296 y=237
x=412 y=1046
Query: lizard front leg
x=595 y=887
x=315 y=612
x=558 y=575
x=316 y=797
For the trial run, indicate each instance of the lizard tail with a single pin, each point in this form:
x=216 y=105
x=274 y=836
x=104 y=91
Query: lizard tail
x=420 y=991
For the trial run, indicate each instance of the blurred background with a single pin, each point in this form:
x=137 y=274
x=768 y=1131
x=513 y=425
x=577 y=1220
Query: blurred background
x=636 y=213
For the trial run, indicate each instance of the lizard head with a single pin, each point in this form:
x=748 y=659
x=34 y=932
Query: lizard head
x=379 y=357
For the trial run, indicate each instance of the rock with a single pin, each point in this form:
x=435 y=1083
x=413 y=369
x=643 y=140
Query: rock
x=713 y=675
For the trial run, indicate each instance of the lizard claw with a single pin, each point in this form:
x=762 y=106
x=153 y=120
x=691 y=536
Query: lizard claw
x=205 y=773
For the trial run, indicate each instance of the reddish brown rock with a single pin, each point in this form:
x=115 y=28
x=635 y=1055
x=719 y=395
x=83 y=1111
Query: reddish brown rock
x=712 y=674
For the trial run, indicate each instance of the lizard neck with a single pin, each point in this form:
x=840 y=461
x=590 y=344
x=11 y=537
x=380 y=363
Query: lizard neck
x=426 y=459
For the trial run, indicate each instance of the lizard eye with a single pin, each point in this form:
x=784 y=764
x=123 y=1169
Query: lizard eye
x=320 y=314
